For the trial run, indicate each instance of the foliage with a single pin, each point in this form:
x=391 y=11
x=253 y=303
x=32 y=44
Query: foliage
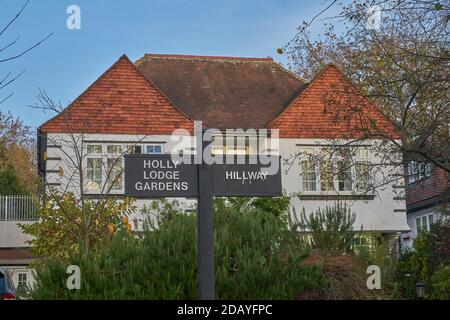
x=427 y=262
x=256 y=257
x=440 y=282
x=17 y=166
x=10 y=182
x=329 y=229
x=69 y=223
x=400 y=63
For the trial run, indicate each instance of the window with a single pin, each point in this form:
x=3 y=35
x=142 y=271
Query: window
x=114 y=149
x=308 y=175
x=114 y=173
x=231 y=145
x=94 y=149
x=154 y=149
x=344 y=176
x=362 y=175
x=326 y=176
x=137 y=149
x=94 y=173
x=362 y=242
x=424 y=223
x=418 y=171
x=22 y=280
x=343 y=169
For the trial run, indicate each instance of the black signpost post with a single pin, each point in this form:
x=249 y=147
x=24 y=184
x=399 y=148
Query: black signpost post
x=205 y=231
x=156 y=176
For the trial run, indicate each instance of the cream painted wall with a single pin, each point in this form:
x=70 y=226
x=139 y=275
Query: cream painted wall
x=371 y=215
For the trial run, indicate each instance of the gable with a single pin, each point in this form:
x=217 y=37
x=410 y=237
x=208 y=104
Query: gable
x=332 y=107
x=121 y=101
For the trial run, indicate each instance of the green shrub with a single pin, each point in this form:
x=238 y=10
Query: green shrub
x=257 y=257
x=428 y=262
x=440 y=284
x=329 y=230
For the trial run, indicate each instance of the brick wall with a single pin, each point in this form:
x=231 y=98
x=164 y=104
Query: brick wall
x=427 y=188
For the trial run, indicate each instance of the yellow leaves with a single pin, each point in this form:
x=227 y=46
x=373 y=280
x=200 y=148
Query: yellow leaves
x=111 y=228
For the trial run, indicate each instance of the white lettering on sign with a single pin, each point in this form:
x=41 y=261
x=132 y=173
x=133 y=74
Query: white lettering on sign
x=246 y=175
x=161 y=186
x=160 y=164
x=161 y=175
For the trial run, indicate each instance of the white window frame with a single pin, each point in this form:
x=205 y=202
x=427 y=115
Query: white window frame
x=357 y=155
x=119 y=160
x=93 y=156
x=19 y=281
x=154 y=145
x=429 y=220
x=418 y=171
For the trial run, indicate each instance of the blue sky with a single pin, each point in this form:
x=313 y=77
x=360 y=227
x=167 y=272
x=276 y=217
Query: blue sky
x=72 y=59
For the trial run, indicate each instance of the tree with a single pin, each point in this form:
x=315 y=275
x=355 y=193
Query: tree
x=17 y=160
x=9 y=78
x=66 y=227
x=10 y=183
x=400 y=62
x=72 y=218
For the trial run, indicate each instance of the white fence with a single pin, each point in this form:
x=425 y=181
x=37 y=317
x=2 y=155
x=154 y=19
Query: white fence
x=18 y=208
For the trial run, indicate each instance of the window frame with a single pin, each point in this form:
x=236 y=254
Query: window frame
x=419 y=221
x=21 y=282
x=355 y=156
x=147 y=145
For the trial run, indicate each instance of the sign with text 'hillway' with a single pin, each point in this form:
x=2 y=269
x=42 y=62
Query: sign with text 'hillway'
x=155 y=176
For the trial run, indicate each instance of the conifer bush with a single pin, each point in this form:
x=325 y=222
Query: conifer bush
x=256 y=255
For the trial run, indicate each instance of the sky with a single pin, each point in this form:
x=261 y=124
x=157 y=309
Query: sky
x=69 y=61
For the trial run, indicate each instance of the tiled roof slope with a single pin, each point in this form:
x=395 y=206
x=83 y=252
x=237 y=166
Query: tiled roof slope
x=309 y=115
x=120 y=101
x=223 y=92
x=160 y=93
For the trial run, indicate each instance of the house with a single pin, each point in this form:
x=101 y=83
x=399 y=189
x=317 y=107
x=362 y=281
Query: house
x=427 y=197
x=14 y=247
x=135 y=107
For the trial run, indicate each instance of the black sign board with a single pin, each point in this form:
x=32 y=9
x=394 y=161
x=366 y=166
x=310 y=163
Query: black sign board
x=247 y=179
x=157 y=176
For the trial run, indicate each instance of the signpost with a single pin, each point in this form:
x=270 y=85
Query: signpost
x=156 y=176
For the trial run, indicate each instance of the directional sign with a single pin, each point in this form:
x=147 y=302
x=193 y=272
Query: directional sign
x=155 y=176
x=158 y=176
x=246 y=180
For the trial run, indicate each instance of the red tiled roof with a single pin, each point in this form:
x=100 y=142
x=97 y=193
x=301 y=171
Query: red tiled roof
x=223 y=92
x=160 y=93
x=308 y=116
x=120 y=101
